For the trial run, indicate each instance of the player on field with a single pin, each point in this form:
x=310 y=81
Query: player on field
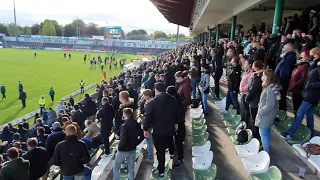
x=65 y=55
x=101 y=66
x=3 y=91
x=85 y=58
x=110 y=65
x=106 y=60
x=20 y=86
x=69 y=56
x=35 y=55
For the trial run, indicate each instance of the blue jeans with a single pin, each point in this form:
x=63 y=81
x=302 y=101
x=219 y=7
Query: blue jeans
x=86 y=172
x=130 y=156
x=149 y=141
x=194 y=87
x=304 y=109
x=232 y=98
x=205 y=103
x=88 y=142
x=265 y=134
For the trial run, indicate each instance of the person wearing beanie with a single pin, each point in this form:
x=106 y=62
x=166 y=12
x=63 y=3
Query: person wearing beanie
x=54 y=138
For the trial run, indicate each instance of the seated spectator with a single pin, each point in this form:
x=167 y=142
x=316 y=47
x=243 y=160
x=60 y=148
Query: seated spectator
x=6 y=135
x=24 y=133
x=17 y=138
x=18 y=145
x=52 y=116
x=130 y=134
x=16 y=168
x=42 y=137
x=71 y=155
x=54 y=138
x=92 y=129
x=39 y=123
x=38 y=158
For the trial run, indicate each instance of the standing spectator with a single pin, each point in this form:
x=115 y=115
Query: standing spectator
x=258 y=53
x=148 y=96
x=180 y=134
x=16 y=168
x=168 y=76
x=184 y=89
x=11 y=128
x=164 y=125
x=81 y=86
x=3 y=91
x=205 y=85
x=90 y=107
x=71 y=101
x=54 y=138
x=6 y=135
x=24 y=133
x=38 y=158
x=194 y=79
x=105 y=115
x=284 y=71
x=42 y=104
x=313 y=25
x=52 y=116
x=253 y=96
x=150 y=82
x=244 y=90
x=311 y=96
x=268 y=107
x=218 y=72
x=51 y=94
x=132 y=93
x=23 y=97
x=130 y=137
x=234 y=79
x=78 y=116
x=297 y=81
x=71 y=155
x=42 y=137
x=39 y=123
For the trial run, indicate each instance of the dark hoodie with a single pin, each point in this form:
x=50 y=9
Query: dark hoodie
x=130 y=136
x=118 y=116
x=7 y=135
x=234 y=78
x=171 y=90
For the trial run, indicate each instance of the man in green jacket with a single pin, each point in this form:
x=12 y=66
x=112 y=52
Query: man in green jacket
x=3 y=91
x=52 y=93
x=16 y=168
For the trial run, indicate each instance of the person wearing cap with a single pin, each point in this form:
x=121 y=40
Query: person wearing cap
x=164 y=125
x=54 y=138
x=42 y=103
x=38 y=158
x=205 y=86
x=313 y=25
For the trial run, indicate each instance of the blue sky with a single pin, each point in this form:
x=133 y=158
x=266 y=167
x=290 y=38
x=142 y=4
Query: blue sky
x=129 y=14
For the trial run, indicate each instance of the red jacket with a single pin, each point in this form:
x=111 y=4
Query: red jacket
x=298 y=78
x=184 y=92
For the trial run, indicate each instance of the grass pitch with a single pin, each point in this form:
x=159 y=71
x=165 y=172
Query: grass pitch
x=49 y=69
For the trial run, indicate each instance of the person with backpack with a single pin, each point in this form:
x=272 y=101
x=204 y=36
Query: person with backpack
x=268 y=107
x=131 y=135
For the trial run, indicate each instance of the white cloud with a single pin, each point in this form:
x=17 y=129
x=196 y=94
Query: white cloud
x=126 y=13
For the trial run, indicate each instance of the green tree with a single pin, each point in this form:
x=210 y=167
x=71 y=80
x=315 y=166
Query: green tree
x=27 y=30
x=11 y=30
x=70 y=30
x=36 y=29
x=159 y=34
x=81 y=25
x=92 y=29
x=3 y=28
x=48 y=28
x=101 y=31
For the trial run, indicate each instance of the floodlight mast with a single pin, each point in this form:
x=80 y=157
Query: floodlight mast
x=15 y=21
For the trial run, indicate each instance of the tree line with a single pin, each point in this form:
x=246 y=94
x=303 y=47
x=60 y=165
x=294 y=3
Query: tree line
x=79 y=28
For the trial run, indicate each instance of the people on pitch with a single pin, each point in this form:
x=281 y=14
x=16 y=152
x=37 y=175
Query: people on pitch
x=3 y=91
x=51 y=94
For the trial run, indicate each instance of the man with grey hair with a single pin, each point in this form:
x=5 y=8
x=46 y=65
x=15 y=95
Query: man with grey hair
x=283 y=72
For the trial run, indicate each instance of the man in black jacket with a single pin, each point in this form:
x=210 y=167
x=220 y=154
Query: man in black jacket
x=90 y=108
x=169 y=79
x=54 y=138
x=105 y=115
x=258 y=53
x=234 y=79
x=217 y=60
x=71 y=155
x=23 y=97
x=130 y=136
x=38 y=157
x=164 y=124
x=78 y=116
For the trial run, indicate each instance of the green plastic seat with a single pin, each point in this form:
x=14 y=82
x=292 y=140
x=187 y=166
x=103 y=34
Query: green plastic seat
x=207 y=174
x=200 y=140
x=199 y=122
x=230 y=115
x=234 y=138
x=282 y=115
x=199 y=130
x=301 y=136
x=197 y=119
x=273 y=173
x=231 y=131
x=283 y=126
